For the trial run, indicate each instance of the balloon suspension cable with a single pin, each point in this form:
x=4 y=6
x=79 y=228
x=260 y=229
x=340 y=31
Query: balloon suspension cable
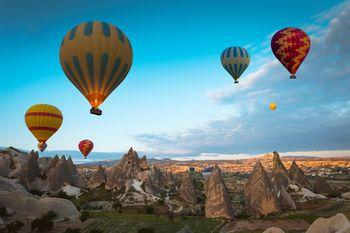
x=292 y=76
x=96 y=111
x=236 y=81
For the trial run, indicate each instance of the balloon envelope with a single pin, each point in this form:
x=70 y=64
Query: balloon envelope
x=235 y=60
x=273 y=106
x=290 y=46
x=96 y=57
x=85 y=147
x=43 y=120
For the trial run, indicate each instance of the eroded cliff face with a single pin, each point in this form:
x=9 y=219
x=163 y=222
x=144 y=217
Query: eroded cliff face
x=298 y=177
x=187 y=190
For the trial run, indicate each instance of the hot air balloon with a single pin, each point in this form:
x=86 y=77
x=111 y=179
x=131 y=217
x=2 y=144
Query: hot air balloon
x=235 y=60
x=96 y=57
x=85 y=147
x=43 y=120
x=290 y=46
x=273 y=106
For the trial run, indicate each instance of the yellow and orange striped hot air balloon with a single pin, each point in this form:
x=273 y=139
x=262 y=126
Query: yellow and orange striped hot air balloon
x=96 y=57
x=43 y=120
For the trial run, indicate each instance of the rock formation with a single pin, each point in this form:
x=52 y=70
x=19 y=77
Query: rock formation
x=280 y=176
x=273 y=230
x=217 y=203
x=59 y=175
x=260 y=196
x=52 y=164
x=30 y=171
x=131 y=171
x=298 y=177
x=187 y=190
x=336 y=224
x=123 y=171
x=6 y=164
x=321 y=186
x=22 y=203
x=64 y=173
x=169 y=181
x=98 y=177
x=286 y=202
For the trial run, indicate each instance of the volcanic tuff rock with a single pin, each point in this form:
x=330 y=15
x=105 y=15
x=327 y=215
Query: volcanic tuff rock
x=217 y=202
x=321 y=186
x=298 y=176
x=6 y=164
x=280 y=176
x=169 y=181
x=260 y=196
x=273 y=230
x=99 y=177
x=336 y=224
x=30 y=170
x=187 y=190
x=64 y=173
x=130 y=169
x=286 y=202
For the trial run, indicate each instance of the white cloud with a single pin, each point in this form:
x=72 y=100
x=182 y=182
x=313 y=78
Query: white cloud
x=312 y=113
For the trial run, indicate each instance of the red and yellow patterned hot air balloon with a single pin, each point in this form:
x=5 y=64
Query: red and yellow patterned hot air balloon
x=96 y=57
x=290 y=46
x=85 y=147
x=43 y=121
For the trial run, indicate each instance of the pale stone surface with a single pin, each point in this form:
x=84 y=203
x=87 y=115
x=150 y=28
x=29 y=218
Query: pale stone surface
x=273 y=230
x=336 y=224
x=346 y=196
x=280 y=176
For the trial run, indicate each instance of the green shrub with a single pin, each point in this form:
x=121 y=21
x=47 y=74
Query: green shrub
x=145 y=230
x=45 y=223
x=84 y=216
x=14 y=227
x=3 y=212
x=149 y=209
x=117 y=205
x=71 y=230
x=95 y=231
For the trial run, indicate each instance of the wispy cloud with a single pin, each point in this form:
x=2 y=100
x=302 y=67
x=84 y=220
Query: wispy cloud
x=313 y=110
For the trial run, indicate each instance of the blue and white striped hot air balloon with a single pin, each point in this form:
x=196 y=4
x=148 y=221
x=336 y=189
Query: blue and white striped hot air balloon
x=235 y=60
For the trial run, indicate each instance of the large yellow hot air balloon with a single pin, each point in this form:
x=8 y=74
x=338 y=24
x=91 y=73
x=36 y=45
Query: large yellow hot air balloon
x=273 y=106
x=96 y=57
x=43 y=120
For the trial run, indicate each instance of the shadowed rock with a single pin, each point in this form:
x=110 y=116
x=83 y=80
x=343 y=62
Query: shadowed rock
x=280 y=176
x=187 y=190
x=98 y=178
x=217 y=203
x=260 y=196
x=298 y=176
x=321 y=186
x=30 y=171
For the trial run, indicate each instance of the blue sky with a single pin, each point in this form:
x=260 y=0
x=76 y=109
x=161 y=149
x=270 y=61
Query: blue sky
x=177 y=98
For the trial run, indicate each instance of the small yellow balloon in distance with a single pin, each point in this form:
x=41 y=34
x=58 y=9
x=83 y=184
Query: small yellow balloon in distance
x=43 y=120
x=273 y=106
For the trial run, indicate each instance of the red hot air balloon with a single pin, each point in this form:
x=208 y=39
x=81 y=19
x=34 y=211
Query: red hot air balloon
x=290 y=46
x=85 y=147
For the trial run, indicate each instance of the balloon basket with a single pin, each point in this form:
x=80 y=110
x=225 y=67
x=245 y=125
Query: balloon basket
x=96 y=111
x=236 y=81
x=292 y=76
